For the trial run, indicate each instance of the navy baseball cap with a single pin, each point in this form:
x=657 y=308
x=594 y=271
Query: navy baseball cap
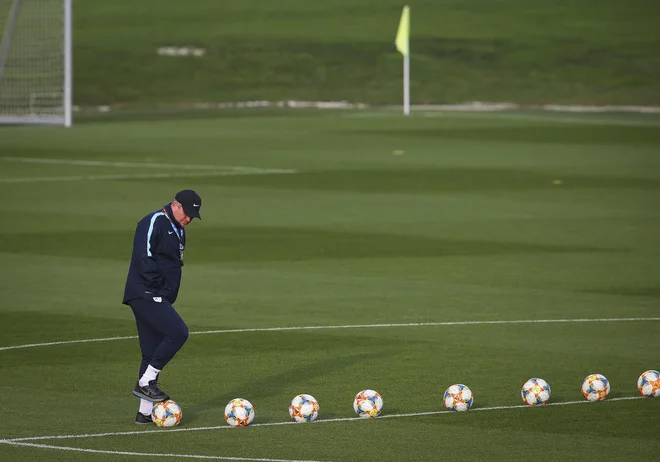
x=190 y=201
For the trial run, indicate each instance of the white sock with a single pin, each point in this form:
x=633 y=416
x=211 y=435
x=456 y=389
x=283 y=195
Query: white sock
x=150 y=374
x=146 y=406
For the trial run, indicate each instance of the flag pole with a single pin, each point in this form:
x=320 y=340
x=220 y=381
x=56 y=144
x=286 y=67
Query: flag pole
x=402 y=43
x=406 y=85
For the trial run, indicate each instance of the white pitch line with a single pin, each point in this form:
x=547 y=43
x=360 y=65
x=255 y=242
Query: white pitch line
x=66 y=342
x=347 y=326
x=146 y=454
x=273 y=424
x=102 y=163
x=144 y=176
x=426 y=324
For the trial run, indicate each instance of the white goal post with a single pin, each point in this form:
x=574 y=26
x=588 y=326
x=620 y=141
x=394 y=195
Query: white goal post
x=35 y=62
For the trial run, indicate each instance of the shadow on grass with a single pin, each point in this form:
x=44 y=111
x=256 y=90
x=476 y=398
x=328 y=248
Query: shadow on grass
x=269 y=243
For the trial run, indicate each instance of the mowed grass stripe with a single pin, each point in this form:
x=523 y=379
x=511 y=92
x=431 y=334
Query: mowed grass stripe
x=101 y=163
x=144 y=176
x=644 y=116
x=467 y=225
x=347 y=326
x=158 y=454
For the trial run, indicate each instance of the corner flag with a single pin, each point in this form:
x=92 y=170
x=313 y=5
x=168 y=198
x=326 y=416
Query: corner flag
x=403 y=35
x=403 y=45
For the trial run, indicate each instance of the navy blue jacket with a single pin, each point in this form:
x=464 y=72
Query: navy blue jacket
x=155 y=269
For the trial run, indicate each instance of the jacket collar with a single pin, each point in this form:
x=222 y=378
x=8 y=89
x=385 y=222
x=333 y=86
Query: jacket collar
x=170 y=214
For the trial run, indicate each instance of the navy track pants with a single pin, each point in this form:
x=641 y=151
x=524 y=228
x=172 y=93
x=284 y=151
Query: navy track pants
x=161 y=331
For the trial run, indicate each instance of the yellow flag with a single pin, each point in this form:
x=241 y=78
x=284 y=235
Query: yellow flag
x=403 y=34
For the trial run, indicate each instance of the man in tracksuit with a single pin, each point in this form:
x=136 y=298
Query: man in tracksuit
x=152 y=286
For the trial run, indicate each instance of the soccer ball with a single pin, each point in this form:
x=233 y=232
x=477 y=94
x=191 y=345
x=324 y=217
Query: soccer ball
x=595 y=387
x=648 y=384
x=239 y=412
x=458 y=397
x=535 y=391
x=166 y=414
x=368 y=403
x=304 y=408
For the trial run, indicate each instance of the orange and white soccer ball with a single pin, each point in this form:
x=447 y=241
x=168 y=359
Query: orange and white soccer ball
x=368 y=403
x=648 y=384
x=304 y=408
x=166 y=414
x=535 y=391
x=239 y=412
x=595 y=387
x=458 y=398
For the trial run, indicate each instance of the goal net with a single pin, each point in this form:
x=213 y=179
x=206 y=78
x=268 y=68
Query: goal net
x=35 y=62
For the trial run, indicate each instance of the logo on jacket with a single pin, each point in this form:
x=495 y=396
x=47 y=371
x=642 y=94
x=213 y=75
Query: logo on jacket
x=158 y=299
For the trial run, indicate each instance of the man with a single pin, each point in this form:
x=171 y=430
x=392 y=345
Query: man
x=151 y=289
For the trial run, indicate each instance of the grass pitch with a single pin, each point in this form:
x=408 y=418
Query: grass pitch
x=570 y=52
x=338 y=220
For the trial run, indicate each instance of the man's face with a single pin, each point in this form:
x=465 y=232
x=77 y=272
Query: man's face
x=179 y=214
